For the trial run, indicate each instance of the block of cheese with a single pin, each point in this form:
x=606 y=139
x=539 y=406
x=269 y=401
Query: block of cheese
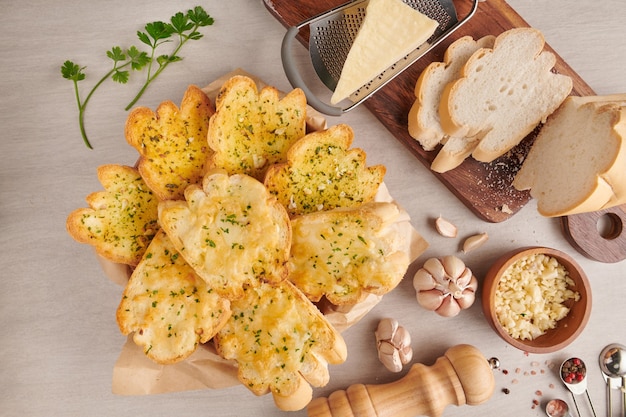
x=390 y=30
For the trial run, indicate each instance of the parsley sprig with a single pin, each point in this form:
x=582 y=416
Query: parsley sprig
x=183 y=27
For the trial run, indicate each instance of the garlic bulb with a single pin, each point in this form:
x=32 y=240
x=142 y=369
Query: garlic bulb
x=393 y=343
x=445 y=286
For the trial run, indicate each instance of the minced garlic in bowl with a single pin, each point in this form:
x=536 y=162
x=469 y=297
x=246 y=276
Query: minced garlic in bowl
x=531 y=294
x=537 y=299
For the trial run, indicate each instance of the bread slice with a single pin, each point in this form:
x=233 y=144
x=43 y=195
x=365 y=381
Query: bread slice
x=323 y=173
x=577 y=162
x=121 y=220
x=252 y=130
x=424 y=122
x=503 y=93
x=168 y=306
x=344 y=253
x=231 y=231
x=281 y=343
x=390 y=30
x=172 y=143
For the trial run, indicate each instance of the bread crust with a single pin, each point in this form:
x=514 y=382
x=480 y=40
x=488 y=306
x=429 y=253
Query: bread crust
x=503 y=93
x=424 y=121
x=281 y=343
x=344 y=254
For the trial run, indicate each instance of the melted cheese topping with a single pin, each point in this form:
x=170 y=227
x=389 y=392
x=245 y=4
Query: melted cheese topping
x=342 y=253
x=273 y=334
x=169 y=307
x=232 y=232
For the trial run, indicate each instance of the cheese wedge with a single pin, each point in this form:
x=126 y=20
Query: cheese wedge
x=390 y=30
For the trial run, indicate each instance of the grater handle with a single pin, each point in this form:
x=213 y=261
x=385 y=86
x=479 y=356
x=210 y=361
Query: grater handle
x=296 y=80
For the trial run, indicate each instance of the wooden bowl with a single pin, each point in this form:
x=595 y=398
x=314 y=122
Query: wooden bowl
x=567 y=329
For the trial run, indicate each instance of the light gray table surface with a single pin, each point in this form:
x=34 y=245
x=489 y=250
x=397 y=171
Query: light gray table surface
x=59 y=338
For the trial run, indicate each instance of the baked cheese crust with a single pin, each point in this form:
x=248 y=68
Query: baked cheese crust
x=168 y=306
x=344 y=253
x=278 y=337
x=231 y=231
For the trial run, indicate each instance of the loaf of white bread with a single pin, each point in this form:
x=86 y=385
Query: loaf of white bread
x=577 y=163
x=498 y=97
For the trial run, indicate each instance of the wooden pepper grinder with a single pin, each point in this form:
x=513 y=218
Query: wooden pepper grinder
x=461 y=376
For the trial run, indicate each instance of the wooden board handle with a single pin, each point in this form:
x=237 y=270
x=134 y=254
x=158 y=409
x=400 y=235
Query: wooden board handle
x=461 y=376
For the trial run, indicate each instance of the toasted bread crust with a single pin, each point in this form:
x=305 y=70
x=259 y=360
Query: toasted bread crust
x=168 y=306
x=230 y=218
x=172 y=143
x=323 y=173
x=252 y=130
x=121 y=220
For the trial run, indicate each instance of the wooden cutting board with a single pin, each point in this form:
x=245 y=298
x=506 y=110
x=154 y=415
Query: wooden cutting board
x=484 y=188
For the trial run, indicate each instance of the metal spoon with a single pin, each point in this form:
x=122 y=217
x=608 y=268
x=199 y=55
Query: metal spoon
x=557 y=408
x=613 y=367
x=573 y=373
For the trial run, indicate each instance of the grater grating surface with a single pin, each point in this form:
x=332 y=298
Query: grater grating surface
x=331 y=37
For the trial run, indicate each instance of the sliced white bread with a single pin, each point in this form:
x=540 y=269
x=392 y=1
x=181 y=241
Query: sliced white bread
x=503 y=93
x=424 y=122
x=578 y=161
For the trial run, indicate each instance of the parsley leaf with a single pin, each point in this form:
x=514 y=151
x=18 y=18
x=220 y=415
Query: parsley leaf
x=183 y=25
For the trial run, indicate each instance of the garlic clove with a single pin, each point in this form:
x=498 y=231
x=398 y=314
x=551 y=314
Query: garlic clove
x=474 y=242
x=423 y=280
x=401 y=338
x=391 y=361
x=386 y=329
x=464 y=278
x=448 y=308
x=453 y=266
x=445 y=228
x=430 y=299
x=406 y=354
x=435 y=268
x=385 y=348
x=467 y=299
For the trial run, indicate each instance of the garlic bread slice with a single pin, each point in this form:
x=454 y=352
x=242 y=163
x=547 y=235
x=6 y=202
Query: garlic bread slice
x=344 y=253
x=168 y=306
x=121 y=220
x=322 y=172
x=252 y=129
x=281 y=343
x=172 y=143
x=231 y=231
